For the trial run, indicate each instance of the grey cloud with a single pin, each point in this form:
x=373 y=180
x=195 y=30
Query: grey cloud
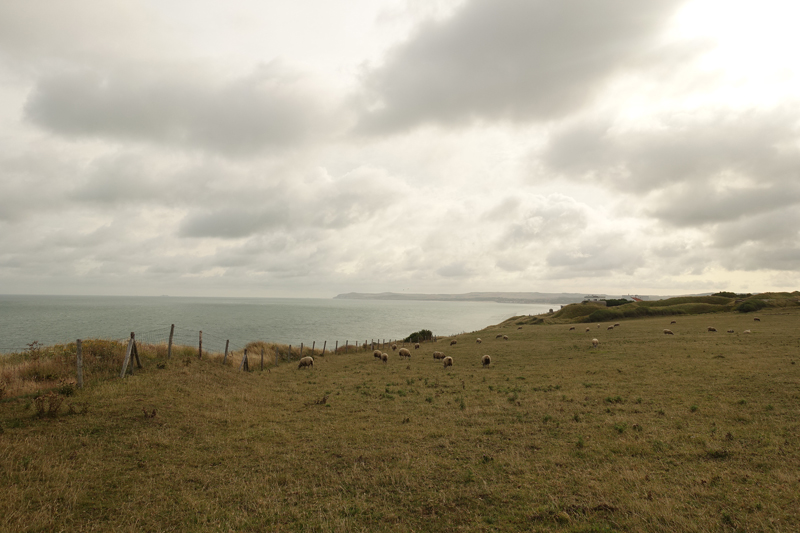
x=601 y=255
x=684 y=148
x=514 y=60
x=273 y=107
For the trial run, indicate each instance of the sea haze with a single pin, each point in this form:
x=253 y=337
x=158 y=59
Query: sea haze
x=58 y=319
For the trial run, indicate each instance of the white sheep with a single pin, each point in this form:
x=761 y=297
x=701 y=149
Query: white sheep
x=486 y=361
x=448 y=361
x=306 y=361
x=376 y=354
x=588 y=330
x=416 y=346
x=438 y=355
x=385 y=357
x=746 y=331
x=595 y=343
x=610 y=327
x=404 y=352
x=394 y=347
x=730 y=331
x=505 y=337
x=668 y=332
x=478 y=340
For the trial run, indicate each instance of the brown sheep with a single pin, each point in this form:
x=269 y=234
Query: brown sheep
x=385 y=357
x=519 y=327
x=376 y=354
x=478 y=340
x=674 y=322
x=505 y=337
x=595 y=343
x=486 y=361
x=711 y=329
x=610 y=327
x=404 y=352
x=416 y=346
x=668 y=332
x=499 y=336
x=394 y=347
x=756 y=319
x=438 y=355
x=452 y=342
x=616 y=325
x=730 y=331
x=448 y=361
x=571 y=328
x=305 y=362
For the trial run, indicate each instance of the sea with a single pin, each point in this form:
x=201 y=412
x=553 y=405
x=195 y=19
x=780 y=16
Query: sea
x=47 y=320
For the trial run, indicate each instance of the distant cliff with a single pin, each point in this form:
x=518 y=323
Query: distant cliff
x=500 y=297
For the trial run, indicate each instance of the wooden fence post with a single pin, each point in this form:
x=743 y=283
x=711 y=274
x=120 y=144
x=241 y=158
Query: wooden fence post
x=200 y=348
x=244 y=364
x=169 y=346
x=262 y=358
x=323 y=348
x=336 y=350
x=289 y=354
x=135 y=354
x=80 y=363
x=127 y=358
x=301 y=350
x=313 y=345
x=346 y=345
x=224 y=359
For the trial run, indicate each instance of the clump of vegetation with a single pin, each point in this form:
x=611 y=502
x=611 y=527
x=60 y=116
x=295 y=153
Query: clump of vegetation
x=420 y=336
x=613 y=302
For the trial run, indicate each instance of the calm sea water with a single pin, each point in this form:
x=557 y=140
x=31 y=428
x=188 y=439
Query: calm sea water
x=57 y=319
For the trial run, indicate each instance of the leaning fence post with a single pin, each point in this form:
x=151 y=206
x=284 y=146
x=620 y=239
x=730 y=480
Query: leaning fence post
x=169 y=346
x=346 y=345
x=80 y=363
x=200 y=348
x=127 y=358
x=224 y=359
x=135 y=354
x=323 y=348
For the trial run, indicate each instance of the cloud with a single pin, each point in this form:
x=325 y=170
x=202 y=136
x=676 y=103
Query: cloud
x=273 y=107
x=509 y=60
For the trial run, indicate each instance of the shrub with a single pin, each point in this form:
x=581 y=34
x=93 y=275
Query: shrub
x=420 y=336
x=751 y=305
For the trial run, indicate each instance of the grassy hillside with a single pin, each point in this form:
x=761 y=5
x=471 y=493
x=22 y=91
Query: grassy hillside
x=694 y=431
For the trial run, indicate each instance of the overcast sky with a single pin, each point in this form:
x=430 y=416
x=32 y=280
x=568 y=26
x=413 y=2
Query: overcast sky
x=309 y=148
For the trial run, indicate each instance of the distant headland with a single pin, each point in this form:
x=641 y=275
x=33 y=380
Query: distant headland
x=499 y=297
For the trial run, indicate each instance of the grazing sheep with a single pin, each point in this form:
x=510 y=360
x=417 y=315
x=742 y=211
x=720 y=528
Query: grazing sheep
x=595 y=343
x=756 y=319
x=385 y=357
x=306 y=361
x=416 y=346
x=394 y=347
x=711 y=329
x=674 y=322
x=448 y=361
x=505 y=337
x=404 y=352
x=668 y=332
x=376 y=354
x=519 y=327
x=730 y=331
x=616 y=325
x=746 y=331
x=598 y=325
x=571 y=328
x=499 y=336
x=452 y=342
x=478 y=340
x=587 y=330
x=486 y=361
x=610 y=327
x=438 y=355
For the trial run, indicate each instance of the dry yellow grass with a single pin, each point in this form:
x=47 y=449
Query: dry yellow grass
x=695 y=431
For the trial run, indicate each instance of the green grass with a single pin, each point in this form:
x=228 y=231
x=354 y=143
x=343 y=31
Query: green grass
x=649 y=432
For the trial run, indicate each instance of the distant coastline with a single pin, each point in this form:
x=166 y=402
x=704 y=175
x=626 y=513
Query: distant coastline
x=498 y=297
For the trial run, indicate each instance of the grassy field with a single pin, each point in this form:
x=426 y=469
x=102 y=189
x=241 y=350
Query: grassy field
x=695 y=431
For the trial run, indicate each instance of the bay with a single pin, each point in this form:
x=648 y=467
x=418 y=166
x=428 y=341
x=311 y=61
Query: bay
x=59 y=319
